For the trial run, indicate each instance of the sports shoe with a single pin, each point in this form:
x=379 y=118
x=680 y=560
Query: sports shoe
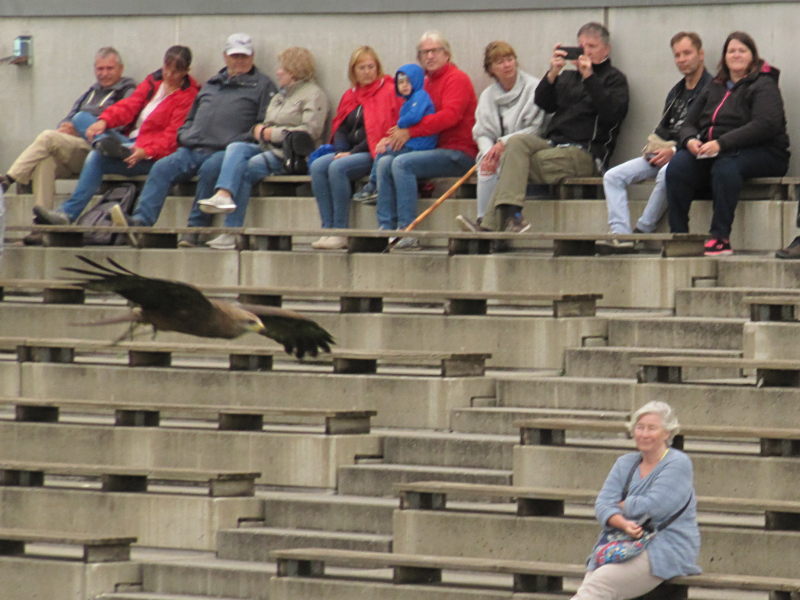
x=111 y=147
x=120 y=219
x=6 y=182
x=50 y=217
x=218 y=203
x=187 y=240
x=331 y=242
x=224 y=241
x=717 y=247
x=792 y=251
x=614 y=246
x=516 y=224
x=469 y=225
x=407 y=243
x=368 y=194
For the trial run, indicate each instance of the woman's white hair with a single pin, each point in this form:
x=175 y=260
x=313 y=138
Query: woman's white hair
x=663 y=410
x=435 y=36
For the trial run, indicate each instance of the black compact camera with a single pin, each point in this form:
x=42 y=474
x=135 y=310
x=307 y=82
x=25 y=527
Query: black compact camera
x=573 y=52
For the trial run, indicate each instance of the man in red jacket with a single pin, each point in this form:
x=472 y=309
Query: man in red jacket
x=455 y=101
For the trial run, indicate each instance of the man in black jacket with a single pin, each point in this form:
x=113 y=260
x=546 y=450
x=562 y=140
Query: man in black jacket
x=687 y=50
x=588 y=106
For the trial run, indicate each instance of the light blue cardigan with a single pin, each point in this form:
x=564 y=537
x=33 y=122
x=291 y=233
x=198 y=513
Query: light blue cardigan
x=673 y=551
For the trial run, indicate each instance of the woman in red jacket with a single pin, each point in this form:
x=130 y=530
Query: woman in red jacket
x=150 y=117
x=365 y=114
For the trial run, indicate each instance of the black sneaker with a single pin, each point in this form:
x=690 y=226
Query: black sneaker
x=717 y=247
x=111 y=147
x=50 y=217
x=792 y=251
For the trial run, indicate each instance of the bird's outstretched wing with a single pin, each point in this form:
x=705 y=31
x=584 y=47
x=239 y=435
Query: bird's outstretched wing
x=161 y=295
x=298 y=334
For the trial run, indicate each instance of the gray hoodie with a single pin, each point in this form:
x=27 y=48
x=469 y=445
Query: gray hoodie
x=226 y=109
x=96 y=99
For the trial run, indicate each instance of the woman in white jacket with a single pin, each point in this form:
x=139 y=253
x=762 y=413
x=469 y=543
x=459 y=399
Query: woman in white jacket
x=505 y=108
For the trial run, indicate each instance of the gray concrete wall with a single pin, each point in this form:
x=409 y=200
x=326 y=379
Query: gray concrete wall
x=34 y=98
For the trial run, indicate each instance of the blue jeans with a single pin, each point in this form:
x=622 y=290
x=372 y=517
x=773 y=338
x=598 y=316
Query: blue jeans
x=725 y=175
x=397 y=181
x=81 y=121
x=181 y=165
x=615 y=185
x=330 y=182
x=95 y=166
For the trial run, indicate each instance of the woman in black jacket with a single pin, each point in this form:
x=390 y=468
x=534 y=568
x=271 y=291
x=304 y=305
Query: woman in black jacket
x=735 y=130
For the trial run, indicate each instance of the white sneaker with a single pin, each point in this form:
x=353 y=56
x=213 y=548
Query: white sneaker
x=224 y=241
x=218 y=203
x=333 y=242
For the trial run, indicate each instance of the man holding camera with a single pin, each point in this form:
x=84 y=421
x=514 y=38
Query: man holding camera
x=588 y=106
x=687 y=50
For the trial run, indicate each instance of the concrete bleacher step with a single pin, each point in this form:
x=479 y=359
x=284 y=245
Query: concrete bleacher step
x=758 y=272
x=158 y=596
x=772 y=341
x=255 y=543
x=676 y=332
x=419 y=401
x=331 y=512
x=469 y=450
x=615 y=361
x=376 y=479
x=695 y=404
x=499 y=420
x=720 y=302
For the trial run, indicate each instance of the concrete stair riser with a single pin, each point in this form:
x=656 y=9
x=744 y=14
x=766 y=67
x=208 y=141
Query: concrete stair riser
x=513 y=341
x=564 y=392
x=34 y=578
x=418 y=402
x=282 y=459
x=735 y=475
x=741 y=551
x=671 y=332
x=378 y=479
x=358 y=515
x=771 y=341
x=451 y=450
x=229 y=580
x=758 y=272
x=501 y=420
x=166 y=520
x=255 y=544
x=723 y=303
x=292 y=588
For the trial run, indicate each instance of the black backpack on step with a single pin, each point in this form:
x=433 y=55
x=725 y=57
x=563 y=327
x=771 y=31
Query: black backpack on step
x=99 y=215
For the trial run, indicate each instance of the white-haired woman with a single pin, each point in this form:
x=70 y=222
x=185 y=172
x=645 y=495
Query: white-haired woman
x=653 y=484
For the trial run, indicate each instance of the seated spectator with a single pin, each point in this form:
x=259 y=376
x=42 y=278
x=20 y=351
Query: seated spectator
x=60 y=152
x=299 y=105
x=224 y=111
x=653 y=484
x=454 y=99
x=505 y=108
x=2 y=221
x=366 y=112
x=588 y=106
x=735 y=130
x=687 y=50
x=151 y=117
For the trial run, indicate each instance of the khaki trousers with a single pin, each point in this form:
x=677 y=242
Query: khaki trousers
x=618 y=581
x=528 y=157
x=51 y=155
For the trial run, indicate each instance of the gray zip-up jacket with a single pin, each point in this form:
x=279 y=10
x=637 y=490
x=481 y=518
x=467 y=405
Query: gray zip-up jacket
x=96 y=99
x=226 y=109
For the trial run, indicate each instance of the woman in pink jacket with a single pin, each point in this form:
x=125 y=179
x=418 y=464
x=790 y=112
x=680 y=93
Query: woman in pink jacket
x=149 y=118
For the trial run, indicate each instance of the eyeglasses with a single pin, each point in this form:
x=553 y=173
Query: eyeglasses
x=430 y=51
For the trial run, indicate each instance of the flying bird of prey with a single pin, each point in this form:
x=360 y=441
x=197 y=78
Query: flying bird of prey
x=169 y=305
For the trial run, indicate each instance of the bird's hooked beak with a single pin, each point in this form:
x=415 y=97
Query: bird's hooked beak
x=255 y=326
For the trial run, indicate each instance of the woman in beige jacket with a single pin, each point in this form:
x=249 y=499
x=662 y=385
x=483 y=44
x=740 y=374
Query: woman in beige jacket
x=300 y=105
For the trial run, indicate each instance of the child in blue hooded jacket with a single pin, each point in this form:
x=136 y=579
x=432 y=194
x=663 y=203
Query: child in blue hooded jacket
x=408 y=84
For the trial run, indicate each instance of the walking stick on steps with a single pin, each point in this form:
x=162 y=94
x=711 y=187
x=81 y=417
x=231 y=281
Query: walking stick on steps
x=424 y=214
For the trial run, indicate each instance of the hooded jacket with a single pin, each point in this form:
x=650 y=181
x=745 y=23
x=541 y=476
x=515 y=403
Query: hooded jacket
x=669 y=126
x=740 y=115
x=226 y=109
x=158 y=135
x=588 y=112
x=98 y=98
x=379 y=109
x=417 y=104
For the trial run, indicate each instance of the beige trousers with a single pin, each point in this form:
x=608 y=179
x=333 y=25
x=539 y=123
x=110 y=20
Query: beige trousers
x=527 y=157
x=618 y=581
x=51 y=155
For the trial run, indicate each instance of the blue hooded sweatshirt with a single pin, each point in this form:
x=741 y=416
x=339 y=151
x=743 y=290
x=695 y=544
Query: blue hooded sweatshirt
x=417 y=105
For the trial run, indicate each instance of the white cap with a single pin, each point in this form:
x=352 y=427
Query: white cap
x=239 y=43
